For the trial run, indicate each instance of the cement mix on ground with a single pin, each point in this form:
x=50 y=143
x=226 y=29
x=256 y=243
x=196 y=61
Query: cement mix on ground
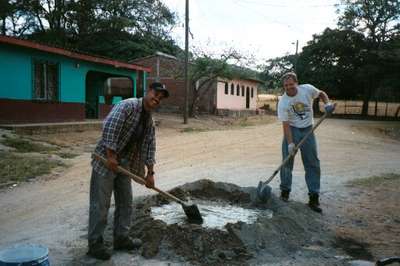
x=280 y=230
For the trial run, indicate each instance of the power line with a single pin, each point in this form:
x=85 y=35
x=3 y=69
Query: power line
x=294 y=28
x=286 y=5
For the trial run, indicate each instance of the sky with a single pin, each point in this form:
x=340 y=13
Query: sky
x=261 y=28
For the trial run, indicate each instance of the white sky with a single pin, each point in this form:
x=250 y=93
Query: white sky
x=263 y=28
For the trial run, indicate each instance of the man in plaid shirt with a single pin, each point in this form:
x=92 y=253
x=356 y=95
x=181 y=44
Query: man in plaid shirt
x=128 y=140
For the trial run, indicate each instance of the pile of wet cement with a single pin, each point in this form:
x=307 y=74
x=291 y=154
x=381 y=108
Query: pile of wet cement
x=292 y=229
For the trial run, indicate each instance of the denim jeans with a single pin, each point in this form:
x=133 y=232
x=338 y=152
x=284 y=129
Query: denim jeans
x=309 y=156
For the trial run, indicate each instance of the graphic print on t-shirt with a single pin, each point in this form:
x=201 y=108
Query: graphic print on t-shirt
x=300 y=109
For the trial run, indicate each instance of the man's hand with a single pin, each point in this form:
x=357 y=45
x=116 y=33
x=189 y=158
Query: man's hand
x=150 y=180
x=112 y=162
x=329 y=107
x=291 y=147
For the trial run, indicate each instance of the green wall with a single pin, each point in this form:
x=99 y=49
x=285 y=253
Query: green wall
x=16 y=74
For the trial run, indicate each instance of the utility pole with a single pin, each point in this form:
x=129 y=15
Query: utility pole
x=186 y=108
x=296 y=56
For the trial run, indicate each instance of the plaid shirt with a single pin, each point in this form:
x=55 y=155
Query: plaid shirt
x=119 y=133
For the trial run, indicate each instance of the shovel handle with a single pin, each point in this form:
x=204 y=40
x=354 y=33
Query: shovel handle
x=296 y=148
x=139 y=179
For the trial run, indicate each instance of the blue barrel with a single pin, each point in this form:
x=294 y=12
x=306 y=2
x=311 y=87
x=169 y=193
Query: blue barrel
x=25 y=255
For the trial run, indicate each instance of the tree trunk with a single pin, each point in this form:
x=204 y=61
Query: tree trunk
x=366 y=98
x=397 y=112
x=3 y=26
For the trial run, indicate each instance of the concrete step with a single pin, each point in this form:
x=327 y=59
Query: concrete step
x=46 y=128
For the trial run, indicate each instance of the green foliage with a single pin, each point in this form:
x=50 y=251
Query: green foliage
x=333 y=61
x=358 y=60
x=19 y=168
x=378 y=20
x=22 y=145
x=274 y=69
x=121 y=29
x=374 y=181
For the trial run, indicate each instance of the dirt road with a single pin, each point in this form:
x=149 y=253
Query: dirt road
x=54 y=212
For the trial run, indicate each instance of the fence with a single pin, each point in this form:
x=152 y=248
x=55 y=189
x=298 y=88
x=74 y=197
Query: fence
x=345 y=107
x=377 y=109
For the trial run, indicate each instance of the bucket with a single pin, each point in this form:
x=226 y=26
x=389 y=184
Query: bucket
x=25 y=255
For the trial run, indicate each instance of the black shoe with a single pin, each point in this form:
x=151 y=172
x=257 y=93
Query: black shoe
x=127 y=243
x=314 y=202
x=99 y=251
x=285 y=195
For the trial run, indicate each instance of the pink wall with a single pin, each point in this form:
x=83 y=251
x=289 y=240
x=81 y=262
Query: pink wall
x=235 y=102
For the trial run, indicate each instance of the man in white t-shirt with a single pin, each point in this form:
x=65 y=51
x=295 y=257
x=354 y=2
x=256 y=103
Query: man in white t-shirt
x=295 y=111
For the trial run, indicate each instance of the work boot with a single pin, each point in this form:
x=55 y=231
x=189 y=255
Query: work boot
x=127 y=243
x=314 y=202
x=285 y=195
x=99 y=251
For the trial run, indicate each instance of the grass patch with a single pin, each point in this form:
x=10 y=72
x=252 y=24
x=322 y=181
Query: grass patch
x=19 y=168
x=66 y=155
x=193 y=129
x=244 y=122
x=22 y=145
x=374 y=180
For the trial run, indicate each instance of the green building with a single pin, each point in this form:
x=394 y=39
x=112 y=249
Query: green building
x=40 y=83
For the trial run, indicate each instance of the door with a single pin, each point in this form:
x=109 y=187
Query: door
x=92 y=97
x=247 y=98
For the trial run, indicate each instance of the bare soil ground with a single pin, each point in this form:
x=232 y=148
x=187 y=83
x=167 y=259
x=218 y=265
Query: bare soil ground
x=370 y=225
x=53 y=210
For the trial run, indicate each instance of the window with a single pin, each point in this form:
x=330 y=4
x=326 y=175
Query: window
x=243 y=91
x=45 y=81
x=226 y=88
x=238 y=90
x=252 y=92
x=232 y=89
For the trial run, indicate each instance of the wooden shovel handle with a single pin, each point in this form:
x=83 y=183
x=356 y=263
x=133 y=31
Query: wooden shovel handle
x=290 y=156
x=140 y=180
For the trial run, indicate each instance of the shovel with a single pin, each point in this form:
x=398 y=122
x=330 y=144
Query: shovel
x=191 y=210
x=263 y=189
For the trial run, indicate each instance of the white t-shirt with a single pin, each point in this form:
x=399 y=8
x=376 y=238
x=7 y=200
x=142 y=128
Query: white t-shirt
x=298 y=109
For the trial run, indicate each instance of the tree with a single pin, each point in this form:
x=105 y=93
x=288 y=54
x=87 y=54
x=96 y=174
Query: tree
x=333 y=61
x=273 y=70
x=378 y=20
x=204 y=68
x=122 y=29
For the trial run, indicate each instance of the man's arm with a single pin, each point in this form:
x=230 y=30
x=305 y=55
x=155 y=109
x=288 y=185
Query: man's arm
x=324 y=97
x=112 y=128
x=287 y=132
x=112 y=160
x=288 y=136
x=150 y=160
x=329 y=107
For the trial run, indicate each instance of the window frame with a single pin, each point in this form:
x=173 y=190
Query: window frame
x=45 y=66
x=232 y=89
x=226 y=88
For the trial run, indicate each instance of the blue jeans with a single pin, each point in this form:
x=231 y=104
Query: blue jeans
x=309 y=157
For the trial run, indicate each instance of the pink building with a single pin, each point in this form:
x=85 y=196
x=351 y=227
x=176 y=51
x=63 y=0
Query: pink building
x=235 y=97
x=237 y=94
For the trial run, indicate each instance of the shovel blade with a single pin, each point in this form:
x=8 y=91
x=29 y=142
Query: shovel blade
x=193 y=213
x=263 y=192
